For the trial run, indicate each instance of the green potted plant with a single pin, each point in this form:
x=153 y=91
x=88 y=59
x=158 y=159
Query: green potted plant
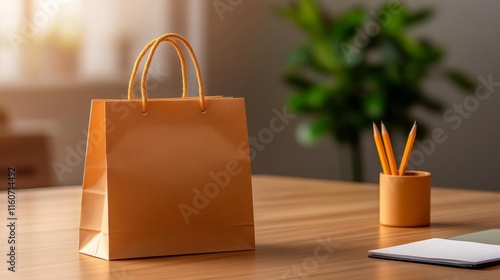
x=361 y=66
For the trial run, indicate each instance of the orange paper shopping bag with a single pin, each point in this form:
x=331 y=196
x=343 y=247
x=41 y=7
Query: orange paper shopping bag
x=166 y=176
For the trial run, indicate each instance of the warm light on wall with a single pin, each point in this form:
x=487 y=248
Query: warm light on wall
x=53 y=41
x=39 y=37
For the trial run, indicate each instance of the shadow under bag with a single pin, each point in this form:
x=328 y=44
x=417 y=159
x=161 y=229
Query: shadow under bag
x=166 y=176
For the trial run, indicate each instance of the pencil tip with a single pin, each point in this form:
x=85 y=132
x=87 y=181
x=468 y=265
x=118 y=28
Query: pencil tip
x=414 y=128
x=384 y=131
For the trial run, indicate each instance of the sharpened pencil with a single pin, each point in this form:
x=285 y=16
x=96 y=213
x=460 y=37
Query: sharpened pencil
x=388 y=151
x=380 y=150
x=408 y=149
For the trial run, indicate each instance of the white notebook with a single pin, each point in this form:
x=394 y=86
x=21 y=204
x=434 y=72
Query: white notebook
x=443 y=252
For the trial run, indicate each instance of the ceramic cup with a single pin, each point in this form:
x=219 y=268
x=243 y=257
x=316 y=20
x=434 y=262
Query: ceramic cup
x=405 y=201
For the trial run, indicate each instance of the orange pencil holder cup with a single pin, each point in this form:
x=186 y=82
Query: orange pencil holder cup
x=405 y=201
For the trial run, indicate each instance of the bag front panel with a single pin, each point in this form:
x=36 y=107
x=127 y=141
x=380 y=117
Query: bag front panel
x=178 y=180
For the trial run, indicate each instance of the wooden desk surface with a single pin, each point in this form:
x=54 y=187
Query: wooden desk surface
x=305 y=229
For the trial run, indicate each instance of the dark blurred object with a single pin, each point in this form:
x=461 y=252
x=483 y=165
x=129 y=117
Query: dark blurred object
x=29 y=153
x=3 y=120
x=360 y=67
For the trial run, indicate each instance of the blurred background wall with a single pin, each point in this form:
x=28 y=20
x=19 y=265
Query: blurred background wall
x=249 y=45
x=58 y=55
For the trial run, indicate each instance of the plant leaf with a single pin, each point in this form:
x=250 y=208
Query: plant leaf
x=298 y=81
x=320 y=127
x=306 y=15
x=461 y=80
x=396 y=23
x=324 y=55
x=419 y=16
x=429 y=103
x=308 y=133
x=374 y=104
x=345 y=26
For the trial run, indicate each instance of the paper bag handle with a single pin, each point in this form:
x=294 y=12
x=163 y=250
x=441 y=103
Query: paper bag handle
x=182 y=58
x=160 y=39
x=154 y=45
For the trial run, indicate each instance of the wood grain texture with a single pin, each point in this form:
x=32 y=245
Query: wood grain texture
x=305 y=229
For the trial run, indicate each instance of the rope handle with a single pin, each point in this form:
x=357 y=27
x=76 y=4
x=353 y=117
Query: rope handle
x=154 y=44
x=182 y=58
x=160 y=39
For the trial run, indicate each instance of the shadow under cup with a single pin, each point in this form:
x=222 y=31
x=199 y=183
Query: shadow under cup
x=405 y=201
